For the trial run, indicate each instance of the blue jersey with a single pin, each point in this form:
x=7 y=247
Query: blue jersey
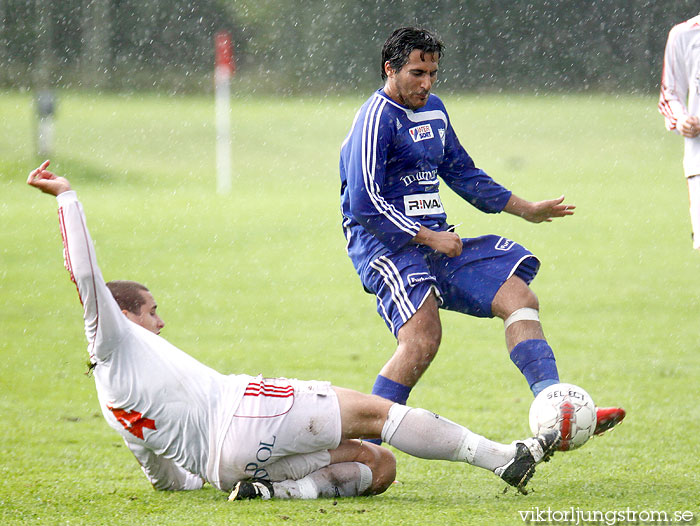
x=391 y=164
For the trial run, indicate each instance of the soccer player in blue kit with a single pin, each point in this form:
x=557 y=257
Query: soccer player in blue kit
x=400 y=146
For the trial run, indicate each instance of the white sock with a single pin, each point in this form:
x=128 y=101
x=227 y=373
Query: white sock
x=346 y=479
x=426 y=435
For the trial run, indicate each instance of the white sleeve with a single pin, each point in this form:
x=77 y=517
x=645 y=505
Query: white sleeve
x=105 y=324
x=674 y=81
x=163 y=473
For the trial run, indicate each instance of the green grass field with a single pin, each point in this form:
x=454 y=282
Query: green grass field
x=258 y=282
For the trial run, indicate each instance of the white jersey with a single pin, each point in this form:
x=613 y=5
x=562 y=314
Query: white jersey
x=171 y=410
x=680 y=85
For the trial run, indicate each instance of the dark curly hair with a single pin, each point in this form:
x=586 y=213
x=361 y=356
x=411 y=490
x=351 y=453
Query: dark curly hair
x=402 y=41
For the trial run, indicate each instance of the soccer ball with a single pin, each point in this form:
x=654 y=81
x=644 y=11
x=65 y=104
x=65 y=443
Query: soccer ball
x=569 y=409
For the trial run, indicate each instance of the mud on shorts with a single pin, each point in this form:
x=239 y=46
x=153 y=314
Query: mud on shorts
x=282 y=429
x=467 y=283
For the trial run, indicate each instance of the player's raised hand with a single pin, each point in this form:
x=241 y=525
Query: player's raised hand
x=46 y=181
x=549 y=209
x=539 y=211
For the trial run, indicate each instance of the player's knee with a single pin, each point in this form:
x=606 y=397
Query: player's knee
x=383 y=465
x=512 y=296
x=522 y=296
x=419 y=352
x=529 y=300
x=422 y=338
x=429 y=340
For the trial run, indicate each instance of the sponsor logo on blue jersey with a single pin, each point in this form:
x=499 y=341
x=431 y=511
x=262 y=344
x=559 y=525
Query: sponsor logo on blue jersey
x=421 y=133
x=425 y=177
x=419 y=277
x=423 y=204
x=504 y=244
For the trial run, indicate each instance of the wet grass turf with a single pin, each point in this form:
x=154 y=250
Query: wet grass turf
x=258 y=282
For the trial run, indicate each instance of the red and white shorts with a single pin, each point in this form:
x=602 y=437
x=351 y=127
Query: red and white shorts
x=282 y=429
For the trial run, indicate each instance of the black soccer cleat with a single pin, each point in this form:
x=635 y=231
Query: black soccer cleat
x=252 y=489
x=528 y=453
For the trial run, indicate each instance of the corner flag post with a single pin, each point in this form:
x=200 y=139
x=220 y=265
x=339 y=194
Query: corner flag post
x=224 y=70
x=45 y=108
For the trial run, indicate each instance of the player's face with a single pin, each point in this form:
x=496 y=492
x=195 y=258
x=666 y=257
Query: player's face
x=411 y=84
x=147 y=317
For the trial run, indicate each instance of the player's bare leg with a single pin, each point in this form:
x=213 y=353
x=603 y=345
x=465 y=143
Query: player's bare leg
x=360 y=468
x=356 y=468
x=343 y=479
x=424 y=434
x=513 y=295
x=379 y=459
x=518 y=306
x=418 y=343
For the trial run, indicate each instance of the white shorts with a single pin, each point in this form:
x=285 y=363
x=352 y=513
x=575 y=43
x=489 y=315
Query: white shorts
x=282 y=429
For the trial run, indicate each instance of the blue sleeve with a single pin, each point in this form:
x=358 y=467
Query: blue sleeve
x=471 y=183
x=365 y=160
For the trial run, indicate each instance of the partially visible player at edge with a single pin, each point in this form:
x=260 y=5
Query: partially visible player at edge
x=400 y=145
x=679 y=103
x=257 y=437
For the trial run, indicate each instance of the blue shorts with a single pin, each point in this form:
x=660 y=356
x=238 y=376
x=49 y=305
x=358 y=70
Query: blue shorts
x=467 y=283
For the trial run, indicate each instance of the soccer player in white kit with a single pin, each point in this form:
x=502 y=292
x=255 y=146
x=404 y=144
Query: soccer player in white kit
x=679 y=103
x=187 y=424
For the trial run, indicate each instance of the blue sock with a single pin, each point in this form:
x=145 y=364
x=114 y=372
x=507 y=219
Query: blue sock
x=535 y=360
x=390 y=390
x=538 y=387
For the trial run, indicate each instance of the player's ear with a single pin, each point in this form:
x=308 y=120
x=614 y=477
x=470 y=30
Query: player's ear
x=388 y=69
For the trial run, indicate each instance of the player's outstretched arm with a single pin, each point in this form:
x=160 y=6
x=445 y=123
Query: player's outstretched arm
x=538 y=211
x=81 y=263
x=46 y=181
